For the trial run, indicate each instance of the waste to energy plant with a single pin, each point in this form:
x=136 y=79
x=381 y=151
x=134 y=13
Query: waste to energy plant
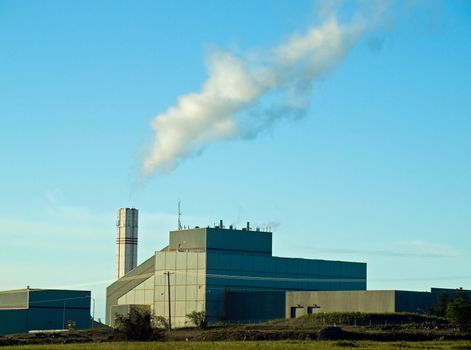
x=229 y=275
x=232 y=276
x=202 y=266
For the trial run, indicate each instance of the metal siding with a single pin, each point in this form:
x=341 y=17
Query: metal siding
x=253 y=272
x=13 y=321
x=57 y=298
x=256 y=242
x=50 y=309
x=44 y=319
x=254 y=307
x=409 y=301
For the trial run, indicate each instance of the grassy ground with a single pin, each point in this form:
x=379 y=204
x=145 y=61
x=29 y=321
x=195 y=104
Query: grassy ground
x=426 y=333
x=261 y=345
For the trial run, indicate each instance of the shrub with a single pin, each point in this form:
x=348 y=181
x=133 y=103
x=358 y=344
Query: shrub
x=198 y=318
x=160 y=322
x=458 y=310
x=441 y=304
x=137 y=325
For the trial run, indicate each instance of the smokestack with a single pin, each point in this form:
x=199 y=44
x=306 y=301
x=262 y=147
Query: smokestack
x=126 y=241
x=248 y=226
x=221 y=224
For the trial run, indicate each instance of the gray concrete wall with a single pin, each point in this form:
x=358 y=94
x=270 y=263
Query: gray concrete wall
x=340 y=301
x=194 y=239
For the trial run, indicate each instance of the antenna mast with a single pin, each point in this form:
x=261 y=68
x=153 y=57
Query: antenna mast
x=179 y=217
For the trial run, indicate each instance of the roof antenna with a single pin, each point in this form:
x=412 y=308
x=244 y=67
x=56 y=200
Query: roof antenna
x=179 y=217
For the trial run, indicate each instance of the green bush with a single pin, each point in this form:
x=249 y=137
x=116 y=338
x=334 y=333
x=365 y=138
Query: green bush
x=458 y=310
x=440 y=306
x=137 y=325
x=160 y=322
x=198 y=318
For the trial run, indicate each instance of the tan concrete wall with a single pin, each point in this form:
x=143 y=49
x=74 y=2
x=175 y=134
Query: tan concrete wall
x=126 y=284
x=14 y=299
x=143 y=294
x=187 y=285
x=341 y=301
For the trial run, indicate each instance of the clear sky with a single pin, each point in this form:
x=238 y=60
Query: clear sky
x=377 y=170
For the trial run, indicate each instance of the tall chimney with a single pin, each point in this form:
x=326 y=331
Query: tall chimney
x=126 y=241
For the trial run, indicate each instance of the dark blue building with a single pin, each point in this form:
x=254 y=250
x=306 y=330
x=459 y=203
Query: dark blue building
x=25 y=310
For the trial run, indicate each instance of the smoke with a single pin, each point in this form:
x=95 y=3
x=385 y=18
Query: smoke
x=236 y=100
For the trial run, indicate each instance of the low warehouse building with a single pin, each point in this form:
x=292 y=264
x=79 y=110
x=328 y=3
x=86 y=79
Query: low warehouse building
x=371 y=301
x=253 y=306
x=25 y=310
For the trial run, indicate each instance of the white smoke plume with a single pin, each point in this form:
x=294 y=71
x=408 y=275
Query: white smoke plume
x=229 y=104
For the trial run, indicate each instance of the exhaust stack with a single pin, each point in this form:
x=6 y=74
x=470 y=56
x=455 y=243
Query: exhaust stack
x=126 y=241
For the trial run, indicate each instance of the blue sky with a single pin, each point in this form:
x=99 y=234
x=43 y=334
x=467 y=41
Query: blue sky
x=378 y=170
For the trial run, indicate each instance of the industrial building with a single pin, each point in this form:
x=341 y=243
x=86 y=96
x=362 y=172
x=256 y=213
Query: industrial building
x=25 y=310
x=200 y=267
x=232 y=275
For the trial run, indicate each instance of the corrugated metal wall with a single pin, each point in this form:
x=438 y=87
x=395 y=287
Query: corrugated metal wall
x=247 y=307
x=48 y=309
